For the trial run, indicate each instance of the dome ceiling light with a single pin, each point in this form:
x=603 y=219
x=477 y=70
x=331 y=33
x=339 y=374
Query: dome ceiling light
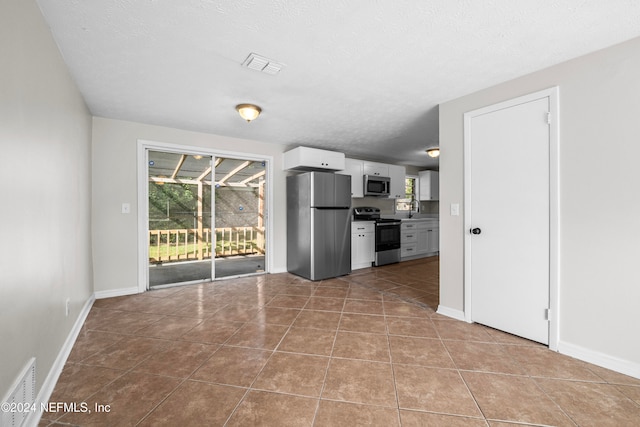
x=433 y=152
x=248 y=111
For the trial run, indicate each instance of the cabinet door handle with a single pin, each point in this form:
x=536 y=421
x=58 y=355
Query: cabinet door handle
x=409 y=235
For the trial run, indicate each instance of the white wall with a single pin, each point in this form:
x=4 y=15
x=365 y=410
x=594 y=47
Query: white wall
x=599 y=208
x=45 y=183
x=115 y=235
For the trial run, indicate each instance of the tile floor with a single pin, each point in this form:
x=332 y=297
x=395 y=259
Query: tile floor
x=361 y=350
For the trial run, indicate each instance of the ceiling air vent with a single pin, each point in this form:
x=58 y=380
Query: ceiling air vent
x=260 y=63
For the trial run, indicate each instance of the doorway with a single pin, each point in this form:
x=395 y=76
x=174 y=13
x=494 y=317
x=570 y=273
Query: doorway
x=204 y=216
x=510 y=216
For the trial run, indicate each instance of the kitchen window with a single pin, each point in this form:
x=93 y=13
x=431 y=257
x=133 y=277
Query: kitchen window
x=409 y=203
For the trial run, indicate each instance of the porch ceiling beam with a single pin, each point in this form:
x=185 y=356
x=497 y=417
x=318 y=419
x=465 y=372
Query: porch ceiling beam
x=235 y=171
x=205 y=173
x=195 y=182
x=256 y=176
x=176 y=180
x=179 y=165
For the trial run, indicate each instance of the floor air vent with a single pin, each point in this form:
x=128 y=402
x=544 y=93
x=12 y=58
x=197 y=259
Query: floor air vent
x=22 y=395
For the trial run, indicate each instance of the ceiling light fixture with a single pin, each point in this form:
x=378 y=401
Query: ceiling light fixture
x=433 y=152
x=248 y=111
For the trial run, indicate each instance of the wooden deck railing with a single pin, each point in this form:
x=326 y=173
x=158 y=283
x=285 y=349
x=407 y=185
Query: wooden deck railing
x=184 y=244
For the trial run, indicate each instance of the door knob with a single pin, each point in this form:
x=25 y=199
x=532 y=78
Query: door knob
x=476 y=231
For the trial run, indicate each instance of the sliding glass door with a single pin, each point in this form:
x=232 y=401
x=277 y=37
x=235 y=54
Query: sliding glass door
x=180 y=206
x=239 y=216
x=206 y=217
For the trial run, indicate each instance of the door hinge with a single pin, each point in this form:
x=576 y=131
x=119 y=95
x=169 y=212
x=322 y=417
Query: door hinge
x=548 y=314
x=549 y=118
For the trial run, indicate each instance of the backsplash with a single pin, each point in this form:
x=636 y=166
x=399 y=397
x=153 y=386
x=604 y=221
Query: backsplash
x=387 y=206
x=430 y=207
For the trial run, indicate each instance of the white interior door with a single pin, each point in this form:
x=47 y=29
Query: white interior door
x=508 y=208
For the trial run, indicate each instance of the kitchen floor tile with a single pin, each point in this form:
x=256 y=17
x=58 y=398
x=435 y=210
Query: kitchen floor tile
x=363 y=306
x=411 y=327
x=360 y=381
x=355 y=345
x=169 y=327
x=78 y=382
x=256 y=335
x=363 y=323
x=540 y=362
x=419 y=351
x=434 y=390
x=130 y=398
x=196 y=403
x=606 y=406
x=177 y=359
x=288 y=301
x=514 y=398
x=290 y=373
x=325 y=304
x=308 y=340
x=326 y=291
x=421 y=419
x=267 y=409
x=278 y=349
x=276 y=316
x=405 y=309
x=331 y=414
x=212 y=332
x=224 y=368
x=126 y=353
x=486 y=357
x=458 y=330
x=317 y=319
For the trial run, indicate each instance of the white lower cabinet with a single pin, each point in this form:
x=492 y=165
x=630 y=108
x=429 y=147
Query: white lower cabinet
x=419 y=238
x=363 y=241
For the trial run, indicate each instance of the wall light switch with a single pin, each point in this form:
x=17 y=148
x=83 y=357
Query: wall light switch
x=126 y=208
x=455 y=209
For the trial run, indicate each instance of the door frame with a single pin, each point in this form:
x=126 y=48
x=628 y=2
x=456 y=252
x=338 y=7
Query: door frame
x=554 y=204
x=143 y=196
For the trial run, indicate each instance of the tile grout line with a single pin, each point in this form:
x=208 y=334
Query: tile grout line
x=250 y=387
x=393 y=369
x=326 y=371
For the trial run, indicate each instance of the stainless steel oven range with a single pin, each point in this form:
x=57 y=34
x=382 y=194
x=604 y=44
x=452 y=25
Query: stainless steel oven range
x=387 y=235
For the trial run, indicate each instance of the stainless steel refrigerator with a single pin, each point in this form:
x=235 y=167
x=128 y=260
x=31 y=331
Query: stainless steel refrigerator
x=319 y=225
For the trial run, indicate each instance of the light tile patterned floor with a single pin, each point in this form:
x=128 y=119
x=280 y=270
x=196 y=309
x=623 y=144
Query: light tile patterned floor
x=361 y=350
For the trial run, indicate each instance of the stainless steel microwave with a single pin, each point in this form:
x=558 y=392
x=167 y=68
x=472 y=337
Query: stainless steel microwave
x=376 y=185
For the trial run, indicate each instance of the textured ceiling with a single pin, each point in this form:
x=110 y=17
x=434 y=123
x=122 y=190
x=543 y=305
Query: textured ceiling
x=360 y=76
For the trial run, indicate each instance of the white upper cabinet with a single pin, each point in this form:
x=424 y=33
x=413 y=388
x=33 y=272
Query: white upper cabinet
x=397 y=187
x=308 y=159
x=376 y=169
x=358 y=168
x=429 y=185
x=355 y=169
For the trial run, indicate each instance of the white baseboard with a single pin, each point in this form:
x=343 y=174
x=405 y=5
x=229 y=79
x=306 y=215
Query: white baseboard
x=451 y=312
x=56 y=369
x=600 y=359
x=116 y=292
